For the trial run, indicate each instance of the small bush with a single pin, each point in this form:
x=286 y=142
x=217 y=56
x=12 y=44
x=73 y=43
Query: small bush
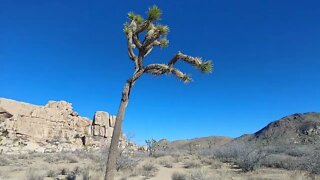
x=64 y=171
x=166 y=162
x=126 y=162
x=250 y=162
x=214 y=163
x=198 y=174
x=32 y=175
x=178 y=176
x=149 y=170
x=51 y=173
x=192 y=164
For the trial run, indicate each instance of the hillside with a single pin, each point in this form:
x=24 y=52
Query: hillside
x=293 y=129
x=193 y=144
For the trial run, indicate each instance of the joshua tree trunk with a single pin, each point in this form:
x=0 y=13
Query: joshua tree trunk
x=112 y=156
x=113 y=150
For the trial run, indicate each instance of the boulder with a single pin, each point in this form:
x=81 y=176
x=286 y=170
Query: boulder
x=101 y=118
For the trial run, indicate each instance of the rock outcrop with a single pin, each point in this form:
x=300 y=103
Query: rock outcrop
x=50 y=128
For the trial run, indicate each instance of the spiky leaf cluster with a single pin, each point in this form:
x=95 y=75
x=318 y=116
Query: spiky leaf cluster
x=205 y=67
x=164 y=30
x=186 y=78
x=126 y=28
x=164 y=42
x=154 y=13
x=136 y=17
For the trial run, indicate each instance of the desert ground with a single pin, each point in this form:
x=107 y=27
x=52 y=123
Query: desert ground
x=176 y=166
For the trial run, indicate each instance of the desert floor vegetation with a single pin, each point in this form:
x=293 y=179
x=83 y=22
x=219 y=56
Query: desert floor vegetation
x=137 y=166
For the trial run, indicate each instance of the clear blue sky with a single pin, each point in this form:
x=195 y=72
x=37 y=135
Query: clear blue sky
x=266 y=55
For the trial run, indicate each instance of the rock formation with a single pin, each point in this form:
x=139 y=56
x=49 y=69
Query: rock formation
x=50 y=128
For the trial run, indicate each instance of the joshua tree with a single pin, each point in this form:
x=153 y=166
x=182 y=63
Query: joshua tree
x=138 y=48
x=152 y=145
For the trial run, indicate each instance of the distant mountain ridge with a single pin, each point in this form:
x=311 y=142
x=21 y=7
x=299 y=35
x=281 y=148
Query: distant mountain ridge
x=299 y=128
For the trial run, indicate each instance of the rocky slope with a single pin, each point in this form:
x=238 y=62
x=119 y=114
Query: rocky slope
x=53 y=127
x=293 y=129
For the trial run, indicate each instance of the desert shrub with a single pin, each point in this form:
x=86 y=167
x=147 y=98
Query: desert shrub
x=214 y=163
x=71 y=177
x=64 y=171
x=278 y=161
x=149 y=170
x=210 y=161
x=61 y=157
x=251 y=161
x=166 y=164
x=231 y=152
x=245 y=156
x=312 y=163
x=166 y=161
x=274 y=149
x=160 y=153
x=206 y=152
x=33 y=175
x=96 y=156
x=178 y=176
x=51 y=173
x=300 y=151
x=126 y=162
x=191 y=164
x=198 y=174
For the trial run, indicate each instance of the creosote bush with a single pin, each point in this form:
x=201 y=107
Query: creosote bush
x=178 y=176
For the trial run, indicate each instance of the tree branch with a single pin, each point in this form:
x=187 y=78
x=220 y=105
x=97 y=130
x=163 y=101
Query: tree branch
x=203 y=66
x=136 y=40
x=159 y=69
x=131 y=46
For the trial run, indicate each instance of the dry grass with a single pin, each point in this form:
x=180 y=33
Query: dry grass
x=166 y=161
x=199 y=174
x=191 y=167
x=148 y=170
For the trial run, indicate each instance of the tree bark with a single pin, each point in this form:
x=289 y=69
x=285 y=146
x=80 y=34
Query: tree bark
x=113 y=150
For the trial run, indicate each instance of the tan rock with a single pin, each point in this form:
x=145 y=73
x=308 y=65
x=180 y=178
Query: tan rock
x=101 y=118
x=50 y=128
x=112 y=121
